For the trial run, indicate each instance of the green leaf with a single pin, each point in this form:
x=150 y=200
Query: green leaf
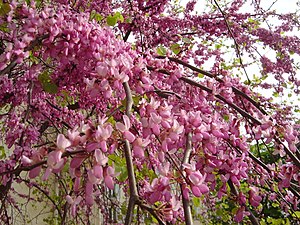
x=47 y=84
x=50 y=88
x=2 y=152
x=4 y=8
x=226 y=118
x=161 y=50
x=111 y=20
x=196 y=202
x=218 y=46
x=175 y=48
x=4 y=27
x=119 y=165
x=200 y=75
x=96 y=16
x=275 y=94
x=136 y=100
x=186 y=40
x=119 y=17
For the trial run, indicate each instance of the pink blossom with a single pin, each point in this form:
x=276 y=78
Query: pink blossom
x=124 y=128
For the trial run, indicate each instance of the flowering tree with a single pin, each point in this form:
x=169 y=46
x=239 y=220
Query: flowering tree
x=102 y=96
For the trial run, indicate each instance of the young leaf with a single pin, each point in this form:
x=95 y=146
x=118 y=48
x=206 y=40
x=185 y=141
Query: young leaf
x=175 y=48
x=111 y=20
x=161 y=50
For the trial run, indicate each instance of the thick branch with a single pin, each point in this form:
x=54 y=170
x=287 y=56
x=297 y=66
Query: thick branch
x=186 y=203
x=129 y=164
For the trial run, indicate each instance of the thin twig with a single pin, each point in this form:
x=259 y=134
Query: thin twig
x=237 y=47
x=252 y=218
x=46 y=194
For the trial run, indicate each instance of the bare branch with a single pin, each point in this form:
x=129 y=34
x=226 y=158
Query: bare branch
x=46 y=194
x=237 y=47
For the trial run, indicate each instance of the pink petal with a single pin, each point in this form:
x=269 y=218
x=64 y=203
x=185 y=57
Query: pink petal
x=109 y=182
x=69 y=199
x=101 y=159
x=126 y=122
x=203 y=188
x=35 y=172
x=196 y=191
x=76 y=184
x=110 y=171
x=129 y=136
x=154 y=197
x=112 y=148
x=26 y=160
x=138 y=152
x=103 y=146
x=76 y=162
x=89 y=188
x=156 y=129
x=62 y=143
x=59 y=165
x=78 y=200
x=92 y=178
x=174 y=136
x=120 y=126
x=217 y=133
x=239 y=215
x=89 y=200
x=47 y=174
x=98 y=171
x=92 y=146
x=194 y=179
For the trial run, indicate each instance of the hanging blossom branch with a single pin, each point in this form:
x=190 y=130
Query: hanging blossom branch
x=295 y=159
x=214 y=76
x=20 y=169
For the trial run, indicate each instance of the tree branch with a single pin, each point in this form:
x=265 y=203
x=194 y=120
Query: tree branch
x=252 y=218
x=186 y=203
x=129 y=164
x=237 y=47
x=13 y=63
x=234 y=89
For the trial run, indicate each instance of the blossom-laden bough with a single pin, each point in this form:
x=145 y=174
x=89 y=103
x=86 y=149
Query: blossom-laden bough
x=83 y=107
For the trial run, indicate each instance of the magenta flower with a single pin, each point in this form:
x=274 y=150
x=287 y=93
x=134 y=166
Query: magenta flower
x=138 y=147
x=124 y=128
x=73 y=203
x=62 y=142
